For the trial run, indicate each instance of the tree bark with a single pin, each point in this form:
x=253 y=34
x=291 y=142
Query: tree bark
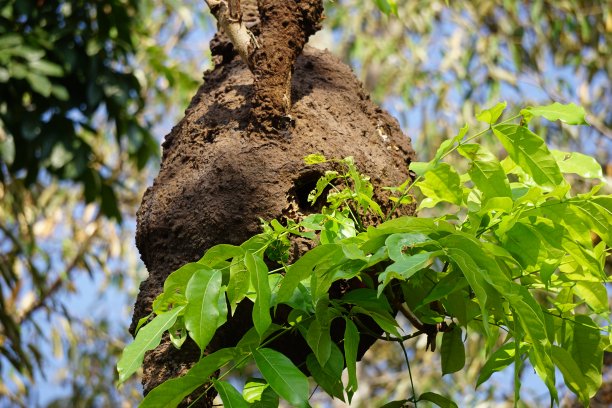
x=285 y=26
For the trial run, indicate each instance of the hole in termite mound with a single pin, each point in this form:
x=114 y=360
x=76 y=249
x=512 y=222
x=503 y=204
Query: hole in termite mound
x=303 y=186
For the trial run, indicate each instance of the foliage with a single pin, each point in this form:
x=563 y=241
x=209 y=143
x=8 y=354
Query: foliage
x=60 y=65
x=513 y=260
x=431 y=58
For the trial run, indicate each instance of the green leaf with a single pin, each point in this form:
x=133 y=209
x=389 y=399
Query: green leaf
x=578 y=163
x=239 y=282
x=594 y=294
x=449 y=284
x=319 y=340
x=178 y=333
x=384 y=320
x=322 y=184
x=303 y=267
x=410 y=224
x=529 y=151
x=437 y=399
x=258 y=393
x=253 y=389
x=46 y=68
x=595 y=212
x=583 y=341
x=351 y=344
x=570 y=114
x=397 y=404
x=368 y=299
x=452 y=351
x=220 y=252
x=60 y=92
x=258 y=270
x=445 y=148
x=230 y=397
x=404 y=269
x=499 y=360
x=315 y=158
x=147 y=339
x=399 y=244
x=177 y=280
x=269 y=399
x=482 y=289
x=170 y=393
x=284 y=377
x=573 y=377
x=387 y=6
x=39 y=83
x=485 y=171
x=202 y=314
x=440 y=184
x=329 y=377
x=523 y=243
x=525 y=308
x=491 y=115
x=420 y=168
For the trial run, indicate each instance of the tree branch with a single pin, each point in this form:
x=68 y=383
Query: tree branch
x=229 y=17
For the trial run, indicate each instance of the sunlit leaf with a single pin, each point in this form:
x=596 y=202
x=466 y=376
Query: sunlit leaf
x=399 y=244
x=573 y=377
x=284 y=377
x=229 y=395
x=529 y=151
x=258 y=393
x=578 y=163
x=485 y=171
x=570 y=113
x=239 y=282
x=404 y=269
x=315 y=158
x=147 y=339
x=437 y=399
x=170 y=393
x=499 y=360
x=202 y=314
x=491 y=115
x=258 y=270
x=440 y=184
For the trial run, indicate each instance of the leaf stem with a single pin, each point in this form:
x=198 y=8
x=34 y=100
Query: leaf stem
x=414 y=398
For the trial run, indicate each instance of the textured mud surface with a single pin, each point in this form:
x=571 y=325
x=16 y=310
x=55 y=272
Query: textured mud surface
x=218 y=176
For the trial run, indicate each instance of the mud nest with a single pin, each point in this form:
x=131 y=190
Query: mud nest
x=219 y=176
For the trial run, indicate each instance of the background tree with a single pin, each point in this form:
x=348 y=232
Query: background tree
x=82 y=85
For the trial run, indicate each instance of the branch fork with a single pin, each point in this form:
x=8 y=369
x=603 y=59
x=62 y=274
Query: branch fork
x=229 y=19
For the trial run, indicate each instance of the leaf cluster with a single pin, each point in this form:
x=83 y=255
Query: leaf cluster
x=512 y=260
x=61 y=64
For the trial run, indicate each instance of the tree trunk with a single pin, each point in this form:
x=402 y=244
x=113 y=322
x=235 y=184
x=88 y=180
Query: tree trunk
x=237 y=156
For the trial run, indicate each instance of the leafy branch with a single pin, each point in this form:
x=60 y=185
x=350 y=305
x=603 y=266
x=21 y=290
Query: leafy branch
x=518 y=267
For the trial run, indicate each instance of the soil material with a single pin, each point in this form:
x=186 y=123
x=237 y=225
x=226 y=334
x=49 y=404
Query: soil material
x=219 y=176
